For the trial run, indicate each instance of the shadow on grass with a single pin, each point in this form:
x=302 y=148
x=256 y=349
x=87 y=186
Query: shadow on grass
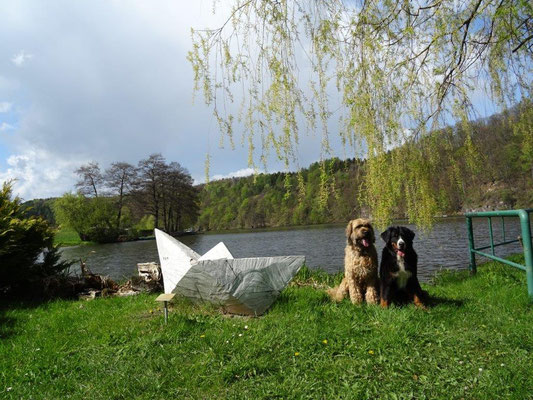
x=402 y=300
x=311 y=297
x=7 y=323
x=435 y=301
x=318 y=297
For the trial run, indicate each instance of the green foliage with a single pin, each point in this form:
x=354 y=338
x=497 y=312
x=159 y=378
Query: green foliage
x=146 y=224
x=40 y=208
x=394 y=71
x=276 y=200
x=72 y=211
x=66 y=236
x=155 y=187
x=27 y=254
x=92 y=218
x=475 y=342
x=167 y=192
x=332 y=191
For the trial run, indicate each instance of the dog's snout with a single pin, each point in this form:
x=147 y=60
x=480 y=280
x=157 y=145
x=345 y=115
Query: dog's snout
x=401 y=244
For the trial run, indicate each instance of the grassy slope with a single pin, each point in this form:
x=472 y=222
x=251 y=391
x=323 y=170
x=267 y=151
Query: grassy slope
x=476 y=341
x=67 y=237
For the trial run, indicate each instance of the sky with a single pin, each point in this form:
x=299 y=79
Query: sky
x=106 y=81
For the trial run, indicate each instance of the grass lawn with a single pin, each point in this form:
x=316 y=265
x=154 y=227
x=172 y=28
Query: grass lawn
x=475 y=342
x=66 y=236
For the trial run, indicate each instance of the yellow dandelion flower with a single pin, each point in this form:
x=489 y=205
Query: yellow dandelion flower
x=202 y=335
x=370 y=351
x=325 y=341
x=296 y=354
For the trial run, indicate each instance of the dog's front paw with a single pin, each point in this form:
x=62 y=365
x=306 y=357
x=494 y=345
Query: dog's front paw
x=335 y=294
x=418 y=303
x=372 y=296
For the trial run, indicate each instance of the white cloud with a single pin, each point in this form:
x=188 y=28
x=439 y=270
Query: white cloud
x=38 y=173
x=399 y=139
x=4 y=126
x=110 y=82
x=236 y=174
x=5 y=106
x=21 y=58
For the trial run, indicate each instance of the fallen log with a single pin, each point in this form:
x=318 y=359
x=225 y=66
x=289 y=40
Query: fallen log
x=150 y=280
x=95 y=281
x=150 y=272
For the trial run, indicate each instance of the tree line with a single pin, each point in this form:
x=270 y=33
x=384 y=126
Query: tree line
x=331 y=191
x=124 y=200
x=143 y=197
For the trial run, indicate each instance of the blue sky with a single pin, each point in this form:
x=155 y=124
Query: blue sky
x=101 y=81
x=106 y=81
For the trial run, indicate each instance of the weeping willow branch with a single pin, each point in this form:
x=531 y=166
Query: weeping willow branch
x=393 y=72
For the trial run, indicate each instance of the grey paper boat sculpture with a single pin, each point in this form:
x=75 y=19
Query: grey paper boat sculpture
x=246 y=286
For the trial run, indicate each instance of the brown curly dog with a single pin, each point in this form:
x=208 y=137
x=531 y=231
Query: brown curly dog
x=361 y=279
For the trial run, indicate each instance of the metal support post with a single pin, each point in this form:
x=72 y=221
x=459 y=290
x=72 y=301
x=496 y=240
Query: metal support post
x=491 y=235
x=528 y=251
x=472 y=267
x=165 y=298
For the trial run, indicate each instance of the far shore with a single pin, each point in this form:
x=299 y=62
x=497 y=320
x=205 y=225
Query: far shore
x=66 y=237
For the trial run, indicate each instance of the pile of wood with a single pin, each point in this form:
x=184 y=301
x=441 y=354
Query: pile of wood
x=94 y=285
x=150 y=272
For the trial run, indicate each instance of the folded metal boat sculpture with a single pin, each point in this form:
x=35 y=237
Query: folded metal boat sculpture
x=246 y=286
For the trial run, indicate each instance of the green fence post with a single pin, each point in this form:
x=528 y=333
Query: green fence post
x=491 y=235
x=528 y=251
x=472 y=267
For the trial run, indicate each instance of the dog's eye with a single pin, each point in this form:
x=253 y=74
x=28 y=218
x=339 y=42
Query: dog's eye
x=358 y=226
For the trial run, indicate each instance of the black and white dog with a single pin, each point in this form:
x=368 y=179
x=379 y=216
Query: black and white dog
x=397 y=271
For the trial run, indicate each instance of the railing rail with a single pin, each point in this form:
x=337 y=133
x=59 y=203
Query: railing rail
x=523 y=215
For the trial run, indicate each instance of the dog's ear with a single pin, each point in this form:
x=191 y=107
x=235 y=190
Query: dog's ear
x=372 y=233
x=386 y=234
x=408 y=233
x=349 y=229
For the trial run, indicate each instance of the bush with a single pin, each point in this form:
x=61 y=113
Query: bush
x=101 y=234
x=145 y=227
x=92 y=218
x=27 y=254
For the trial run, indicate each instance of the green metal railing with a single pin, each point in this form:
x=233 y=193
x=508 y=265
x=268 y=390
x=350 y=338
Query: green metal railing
x=525 y=239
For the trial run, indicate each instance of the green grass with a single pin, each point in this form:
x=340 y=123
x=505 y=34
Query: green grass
x=474 y=342
x=66 y=236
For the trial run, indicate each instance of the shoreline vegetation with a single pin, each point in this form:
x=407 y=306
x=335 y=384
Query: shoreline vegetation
x=335 y=190
x=123 y=202
x=475 y=341
x=329 y=192
x=66 y=236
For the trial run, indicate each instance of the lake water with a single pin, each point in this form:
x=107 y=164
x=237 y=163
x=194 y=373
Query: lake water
x=446 y=246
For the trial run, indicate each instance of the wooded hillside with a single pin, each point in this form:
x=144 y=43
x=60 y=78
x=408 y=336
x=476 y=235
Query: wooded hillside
x=502 y=177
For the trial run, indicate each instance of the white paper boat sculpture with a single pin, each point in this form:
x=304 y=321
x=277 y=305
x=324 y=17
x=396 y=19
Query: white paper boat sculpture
x=245 y=286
